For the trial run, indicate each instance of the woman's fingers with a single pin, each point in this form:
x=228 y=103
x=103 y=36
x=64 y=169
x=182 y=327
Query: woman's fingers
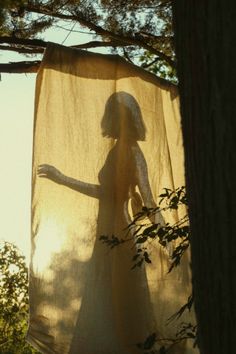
x=46 y=170
x=45 y=167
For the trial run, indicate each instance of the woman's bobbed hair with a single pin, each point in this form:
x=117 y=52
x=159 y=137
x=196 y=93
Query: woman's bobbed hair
x=122 y=105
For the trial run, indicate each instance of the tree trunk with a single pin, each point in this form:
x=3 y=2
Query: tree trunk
x=205 y=37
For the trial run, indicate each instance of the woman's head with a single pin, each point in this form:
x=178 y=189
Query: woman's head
x=123 y=116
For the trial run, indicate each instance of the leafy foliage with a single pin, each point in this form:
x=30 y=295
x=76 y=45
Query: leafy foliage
x=155 y=65
x=14 y=21
x=141 y=233
x=148 y=22
x=141 y=19
x=185 y=331
x=14 y=302
x=14 y=276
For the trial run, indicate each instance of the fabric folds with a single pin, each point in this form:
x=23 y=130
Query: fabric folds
x=107 y=140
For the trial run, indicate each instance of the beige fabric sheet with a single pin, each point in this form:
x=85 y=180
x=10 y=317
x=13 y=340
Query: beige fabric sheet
x=108 y=140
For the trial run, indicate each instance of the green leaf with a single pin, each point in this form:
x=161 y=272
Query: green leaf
x=163 y=195
x=149 y=229
x=161 y=232
x=141 y=239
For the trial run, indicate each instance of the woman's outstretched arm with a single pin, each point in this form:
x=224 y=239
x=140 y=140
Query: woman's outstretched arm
x=52 y=173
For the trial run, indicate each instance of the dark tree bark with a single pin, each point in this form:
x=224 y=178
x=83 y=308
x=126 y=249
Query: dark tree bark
x=205 y=41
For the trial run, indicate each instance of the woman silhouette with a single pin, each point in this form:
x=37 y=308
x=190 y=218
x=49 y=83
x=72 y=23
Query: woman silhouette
x=116 y=299
x=125 y=168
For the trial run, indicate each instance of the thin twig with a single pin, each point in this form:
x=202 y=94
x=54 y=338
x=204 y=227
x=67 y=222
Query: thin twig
x=145 y=66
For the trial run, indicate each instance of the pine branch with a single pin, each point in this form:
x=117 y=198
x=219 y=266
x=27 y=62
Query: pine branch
x=99 y=30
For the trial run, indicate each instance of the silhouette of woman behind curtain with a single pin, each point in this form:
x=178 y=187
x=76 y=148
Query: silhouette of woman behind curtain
x=115 y=312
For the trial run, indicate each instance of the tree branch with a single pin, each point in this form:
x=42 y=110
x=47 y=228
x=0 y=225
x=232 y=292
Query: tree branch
x=99 y=30
x=23 y=45
x=32 y=66
x=22 y=50
x=20 y=67
x=23 y=41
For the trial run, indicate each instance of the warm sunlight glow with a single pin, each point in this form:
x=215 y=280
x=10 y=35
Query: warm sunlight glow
x=48 y=242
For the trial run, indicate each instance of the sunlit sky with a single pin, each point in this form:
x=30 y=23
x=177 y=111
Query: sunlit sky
x=16 y=127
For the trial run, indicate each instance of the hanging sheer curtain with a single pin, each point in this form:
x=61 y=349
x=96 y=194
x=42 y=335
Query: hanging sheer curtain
x=107 y=140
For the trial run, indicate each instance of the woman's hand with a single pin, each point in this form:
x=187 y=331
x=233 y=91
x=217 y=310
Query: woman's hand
x=50 y=172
